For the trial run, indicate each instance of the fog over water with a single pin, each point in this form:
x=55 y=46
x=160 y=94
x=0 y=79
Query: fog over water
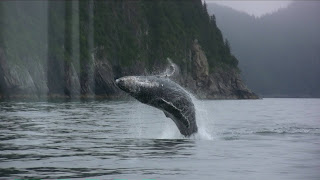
x=255 y=8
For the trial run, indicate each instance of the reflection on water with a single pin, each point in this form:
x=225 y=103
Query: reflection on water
x=272 y=138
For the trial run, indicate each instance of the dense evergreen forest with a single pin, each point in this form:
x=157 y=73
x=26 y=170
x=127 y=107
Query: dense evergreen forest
x=148 y=31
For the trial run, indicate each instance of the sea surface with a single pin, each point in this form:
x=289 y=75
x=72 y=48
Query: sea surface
x=238 y=139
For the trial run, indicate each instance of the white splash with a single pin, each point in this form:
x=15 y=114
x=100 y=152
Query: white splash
x=170 y=131
x=171 y=70
x=202 y=120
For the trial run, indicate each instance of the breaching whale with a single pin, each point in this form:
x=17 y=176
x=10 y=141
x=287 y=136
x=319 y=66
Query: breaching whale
x=164 y=94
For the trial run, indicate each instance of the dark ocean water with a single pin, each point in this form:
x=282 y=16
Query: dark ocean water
x=237 y=139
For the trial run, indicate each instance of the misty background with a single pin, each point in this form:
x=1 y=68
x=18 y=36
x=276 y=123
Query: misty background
x=278 y=51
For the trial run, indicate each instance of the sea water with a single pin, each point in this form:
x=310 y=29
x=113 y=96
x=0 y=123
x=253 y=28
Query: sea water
x=237 y=139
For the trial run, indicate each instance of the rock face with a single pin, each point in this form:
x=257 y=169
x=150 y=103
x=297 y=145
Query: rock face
x=222 y=83
x=104 y=78
x=226 y=84
x=72 y=82
x=200 y=69
x=21 y=80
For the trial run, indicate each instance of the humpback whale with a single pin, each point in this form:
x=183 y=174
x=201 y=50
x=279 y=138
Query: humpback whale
x=164 y=94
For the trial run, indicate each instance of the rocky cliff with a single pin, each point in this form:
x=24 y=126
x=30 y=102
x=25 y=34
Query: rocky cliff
x=81 y=47
x=221 y=83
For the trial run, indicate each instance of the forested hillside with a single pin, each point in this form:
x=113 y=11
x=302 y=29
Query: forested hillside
x=78 y=47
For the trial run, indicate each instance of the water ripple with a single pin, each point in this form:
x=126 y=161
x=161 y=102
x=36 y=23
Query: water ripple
x=125 y=139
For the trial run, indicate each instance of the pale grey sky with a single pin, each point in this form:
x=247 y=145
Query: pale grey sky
x=253 y=7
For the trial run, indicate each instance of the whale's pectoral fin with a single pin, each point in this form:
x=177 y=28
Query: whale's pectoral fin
x=163 y=105
x=170 y=111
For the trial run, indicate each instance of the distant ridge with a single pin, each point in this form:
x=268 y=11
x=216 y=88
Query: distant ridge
x=278 y=53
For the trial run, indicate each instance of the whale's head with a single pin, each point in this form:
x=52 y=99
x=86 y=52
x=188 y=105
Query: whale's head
x=137 y=85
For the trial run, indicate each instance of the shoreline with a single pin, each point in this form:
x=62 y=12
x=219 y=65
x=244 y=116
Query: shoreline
x=96 y=97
